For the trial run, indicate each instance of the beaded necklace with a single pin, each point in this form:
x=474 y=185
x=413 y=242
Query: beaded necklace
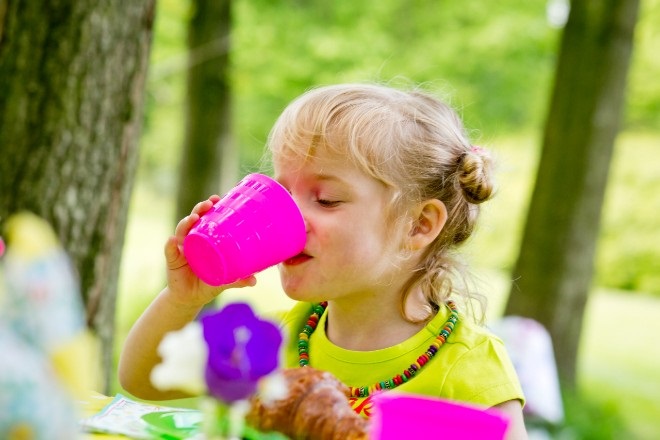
x=393 y=382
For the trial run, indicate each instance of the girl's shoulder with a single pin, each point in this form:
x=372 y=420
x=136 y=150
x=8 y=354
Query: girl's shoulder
x=472 y=340
x=466 y=332
x=293 y=319
x=300 y=310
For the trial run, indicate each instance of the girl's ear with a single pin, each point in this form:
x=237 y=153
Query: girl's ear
x=431 y=218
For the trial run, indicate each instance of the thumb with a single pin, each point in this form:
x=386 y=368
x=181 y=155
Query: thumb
x=173 y=254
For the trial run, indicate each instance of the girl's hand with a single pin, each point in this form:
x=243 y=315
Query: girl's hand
x=183 y=285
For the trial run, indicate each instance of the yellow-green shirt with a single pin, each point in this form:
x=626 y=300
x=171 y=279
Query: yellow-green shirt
x=472 y=366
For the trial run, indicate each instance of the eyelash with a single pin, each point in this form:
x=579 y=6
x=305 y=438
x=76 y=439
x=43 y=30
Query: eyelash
x=328 y=203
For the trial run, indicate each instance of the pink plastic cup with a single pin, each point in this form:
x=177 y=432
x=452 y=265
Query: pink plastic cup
x=398 y=416
x=254 y=226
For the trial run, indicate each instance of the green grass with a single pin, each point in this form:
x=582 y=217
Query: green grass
x=619 y=363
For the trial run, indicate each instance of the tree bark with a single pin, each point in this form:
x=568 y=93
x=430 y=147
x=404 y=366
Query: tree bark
x=554 y=270
x=208 y=153
x=72 y=76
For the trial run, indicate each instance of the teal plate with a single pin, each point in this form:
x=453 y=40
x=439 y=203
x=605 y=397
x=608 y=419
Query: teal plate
x=173 y=425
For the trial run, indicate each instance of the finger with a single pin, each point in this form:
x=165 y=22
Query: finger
x=172 y=251
x=200 y=206
x=203 y=206
x=250 y=281
x=184 y=226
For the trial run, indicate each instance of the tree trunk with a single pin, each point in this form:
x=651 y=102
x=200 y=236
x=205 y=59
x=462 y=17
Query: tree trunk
x=208 y=151
x=554 y=269
x=72 y=76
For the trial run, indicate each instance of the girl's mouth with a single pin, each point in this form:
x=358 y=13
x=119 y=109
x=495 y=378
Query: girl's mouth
x=298 y=259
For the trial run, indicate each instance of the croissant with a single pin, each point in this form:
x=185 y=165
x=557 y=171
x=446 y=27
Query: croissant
x=316 y=408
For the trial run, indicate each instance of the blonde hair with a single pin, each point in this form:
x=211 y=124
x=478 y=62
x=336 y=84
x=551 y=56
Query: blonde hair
x=413 y=143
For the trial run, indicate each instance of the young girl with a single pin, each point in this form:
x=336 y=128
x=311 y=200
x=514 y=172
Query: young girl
x=388 y=184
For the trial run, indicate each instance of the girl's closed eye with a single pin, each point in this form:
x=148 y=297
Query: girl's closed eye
x=328 y=203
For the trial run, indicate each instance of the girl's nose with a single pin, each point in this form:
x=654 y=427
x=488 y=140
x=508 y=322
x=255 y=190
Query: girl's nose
x=302 y=211
x=304 y=216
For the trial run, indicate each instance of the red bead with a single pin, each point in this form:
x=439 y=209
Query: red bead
x=312 y=323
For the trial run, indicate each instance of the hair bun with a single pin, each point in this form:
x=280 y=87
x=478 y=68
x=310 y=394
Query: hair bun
x=474 y=175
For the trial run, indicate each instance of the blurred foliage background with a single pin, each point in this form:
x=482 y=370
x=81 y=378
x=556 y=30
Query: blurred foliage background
x=494 y=62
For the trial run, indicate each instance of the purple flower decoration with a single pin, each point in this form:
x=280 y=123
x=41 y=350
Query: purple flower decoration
x=241 y=349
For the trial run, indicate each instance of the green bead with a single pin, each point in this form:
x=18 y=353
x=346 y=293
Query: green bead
x=317 y=312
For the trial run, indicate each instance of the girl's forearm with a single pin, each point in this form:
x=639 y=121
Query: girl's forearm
x=140 y=352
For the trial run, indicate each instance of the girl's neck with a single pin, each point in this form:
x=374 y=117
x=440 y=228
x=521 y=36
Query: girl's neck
x=369 y=324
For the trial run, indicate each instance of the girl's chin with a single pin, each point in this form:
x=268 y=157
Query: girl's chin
x=299 y=289
x=291 y=288
x=298 y=295
x=301 y=294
